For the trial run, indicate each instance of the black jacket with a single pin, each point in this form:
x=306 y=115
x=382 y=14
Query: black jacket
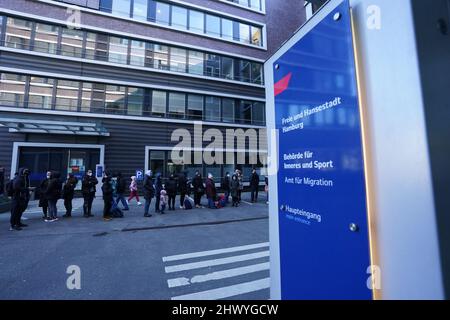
x=21 y=184
x=107 y=189
x=121 y=185
x=225 y=185
x=42 y=187
x=88 y=184
x=234 y=186
x=149 y=189
x=54 y=187
x=254 y=180
x=69 y=188
x=171 y=186
x=182 y=183
x=197 y=183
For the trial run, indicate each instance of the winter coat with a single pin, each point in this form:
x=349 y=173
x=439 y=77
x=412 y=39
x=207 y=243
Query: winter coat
x=121 y=185
x=21 y=184
x=42 y=187
x=107 y=189
x=254 y=181
x=133 y=186
x=158 y=184
x=88 y=185
x=171 y=186
x=225 y=185
x=197 y=183
x=69 y=188
x=210 y=189
x=163 y=198
x=149 y=189
x=234 y=185
x=182 y=183
x=54 y=188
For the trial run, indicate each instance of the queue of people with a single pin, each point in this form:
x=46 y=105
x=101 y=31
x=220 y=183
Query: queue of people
x=114 y=188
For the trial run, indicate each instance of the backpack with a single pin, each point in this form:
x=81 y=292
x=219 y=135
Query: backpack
x=10 y=188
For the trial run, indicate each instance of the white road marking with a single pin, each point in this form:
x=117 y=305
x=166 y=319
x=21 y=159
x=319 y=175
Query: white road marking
x=226 y=292
x=216 y=262
x=247 y=202
x=214 y=252
x=183 y=281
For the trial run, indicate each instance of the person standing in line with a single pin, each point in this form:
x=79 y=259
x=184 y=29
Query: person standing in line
x=158 y=188
x=241 y=185
x=43 y=203
x=53 y=194
x=134 y=191
x=88 y=187
x=234 y=186
x=120 y=190
x=199 y=189
x=254 y=186
x=171 y=188
x=163 y=200
x=149 y=192
x=211 y=191
x=225 y=186
x=266 y=188
x=20 y=198
x=182 y=187
x=108 y=198
x=68 y=194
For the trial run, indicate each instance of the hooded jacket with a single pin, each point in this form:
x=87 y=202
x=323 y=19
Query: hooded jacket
x=171 y=186
x=149 y=189
x=54 y=187
x=21 y=183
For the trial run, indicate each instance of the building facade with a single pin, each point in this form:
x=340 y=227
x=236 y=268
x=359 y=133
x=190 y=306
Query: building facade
x=118 y=83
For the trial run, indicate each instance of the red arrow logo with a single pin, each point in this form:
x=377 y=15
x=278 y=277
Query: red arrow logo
x=283 y=84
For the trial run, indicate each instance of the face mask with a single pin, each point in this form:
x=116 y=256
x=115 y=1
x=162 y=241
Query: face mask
x=90 y=174
x=48 y=176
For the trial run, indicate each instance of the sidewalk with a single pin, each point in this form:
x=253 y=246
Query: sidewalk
x=133 y=219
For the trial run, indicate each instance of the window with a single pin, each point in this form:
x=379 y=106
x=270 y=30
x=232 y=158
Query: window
x=41 y=93
x=258 y=113
x=97 y=46
x=228 y=106
x=213 y=65
x=159 y=100
x=244 y=33
x=256 y=36
x=162 y=13
x=140 y=10
x=257 y=73
x=137 y=53
x=46 y=38
x=12 y=90
x=255 y=4
x=135 y=101
x=121 y=8
x=243 y=112
x=118 y=50
x=243 y=71
x=196 y=62
x=72 y=42
x=115 y=99
x=196 y=21
x=177 y=105
x=98 y=98
x=67 y=95
x=195 y=107
x=213 y=25
x=157 y=161
x=18 y=33
x=177 y=60
x=212 y=108
x=227 y=29
x=227 y=68
x=179 y=17
x=160 y=57
x=86 y=97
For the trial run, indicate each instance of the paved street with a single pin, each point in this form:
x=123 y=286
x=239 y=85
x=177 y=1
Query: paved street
x=195 y=254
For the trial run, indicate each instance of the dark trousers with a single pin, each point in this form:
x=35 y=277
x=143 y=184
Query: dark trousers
x=44 y=210
x=198 y=198
x=172 y=201
x=15 y=213
x=239 y=195
x=87 y=204
x=68 y=206
x=235 y=201
x=107 y=207
x=52 y=210
x=254 y=194
x=182 y=196
x=157 y=201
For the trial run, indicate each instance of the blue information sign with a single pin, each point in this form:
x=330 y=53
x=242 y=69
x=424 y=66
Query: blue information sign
x=323 y=232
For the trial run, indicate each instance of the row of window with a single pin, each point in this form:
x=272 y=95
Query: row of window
x=67 y=95
x=184 y=18
x=53 y=39
x=253 y=4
